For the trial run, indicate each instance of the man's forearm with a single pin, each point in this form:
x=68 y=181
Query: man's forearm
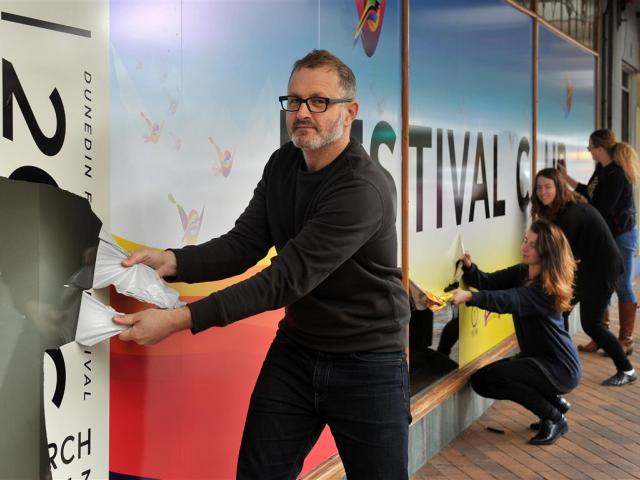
x=181 y=319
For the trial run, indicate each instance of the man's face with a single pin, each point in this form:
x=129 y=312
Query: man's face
x=311 y=131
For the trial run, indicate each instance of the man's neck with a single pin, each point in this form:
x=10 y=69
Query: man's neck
x=318 y=159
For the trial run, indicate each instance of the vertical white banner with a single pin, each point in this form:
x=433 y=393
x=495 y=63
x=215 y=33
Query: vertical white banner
x=76 y=408
x=54 y=78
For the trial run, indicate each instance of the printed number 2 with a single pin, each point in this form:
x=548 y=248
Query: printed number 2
x=11 y=87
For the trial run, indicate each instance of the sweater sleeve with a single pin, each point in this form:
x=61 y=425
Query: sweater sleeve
x=346 y=218
x=242 y=247
x=523 y=301
x=500 y=280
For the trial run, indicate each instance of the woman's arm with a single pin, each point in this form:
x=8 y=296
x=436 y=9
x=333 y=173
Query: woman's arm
x=523 y=301
x=500 y=280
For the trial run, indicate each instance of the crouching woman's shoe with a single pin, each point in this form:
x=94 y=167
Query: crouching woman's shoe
x=620 y=378
x=550 y=432
x=561 y=403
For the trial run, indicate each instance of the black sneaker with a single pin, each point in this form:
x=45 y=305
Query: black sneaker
x=550 y=432
x=561 y=403
x=619 y=379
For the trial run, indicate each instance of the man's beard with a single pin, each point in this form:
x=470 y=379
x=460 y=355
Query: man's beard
x=314 y=142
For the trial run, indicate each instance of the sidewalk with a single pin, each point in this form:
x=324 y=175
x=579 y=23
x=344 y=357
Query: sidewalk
x=603 y=441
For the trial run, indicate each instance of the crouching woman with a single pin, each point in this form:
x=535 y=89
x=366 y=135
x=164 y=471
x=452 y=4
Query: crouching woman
x=535 y=292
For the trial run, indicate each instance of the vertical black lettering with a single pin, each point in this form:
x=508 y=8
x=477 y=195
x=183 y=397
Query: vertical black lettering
x=11 y=87
x=383 y=134
x=52 y=455
x=458 y=188
x=419 y=137
x=498 y=205
x=439 y=178
x=523 y=148
x=546 y=154
x=562 y=153
x=86 y=443
x=479 y=190
x=356 y=130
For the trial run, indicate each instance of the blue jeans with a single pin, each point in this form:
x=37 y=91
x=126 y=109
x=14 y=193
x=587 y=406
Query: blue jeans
x=362 y=397
x=628 y=245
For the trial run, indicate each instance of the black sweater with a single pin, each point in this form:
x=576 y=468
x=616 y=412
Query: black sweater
x=336 y=265
x=612 y=194
x=593 y=246
x=539 y=328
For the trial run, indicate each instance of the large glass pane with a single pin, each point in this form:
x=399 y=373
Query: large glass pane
x=471 y=86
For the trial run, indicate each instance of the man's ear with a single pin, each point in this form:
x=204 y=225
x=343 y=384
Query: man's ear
x=352 y=112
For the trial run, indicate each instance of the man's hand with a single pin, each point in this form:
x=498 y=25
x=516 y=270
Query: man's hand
x=151 y=326
x=466 y=259
x=163 y=262
x=460 y=296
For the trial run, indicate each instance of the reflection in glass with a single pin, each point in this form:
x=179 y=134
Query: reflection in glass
x=428 y=328
x=48 y=240
x=524 y=3
x=576 y=18
x=566 y=104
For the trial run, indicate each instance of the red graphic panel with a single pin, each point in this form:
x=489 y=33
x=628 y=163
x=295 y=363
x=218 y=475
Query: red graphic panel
x=178 y=408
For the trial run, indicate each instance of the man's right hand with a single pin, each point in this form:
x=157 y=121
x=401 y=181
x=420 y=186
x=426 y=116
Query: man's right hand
x=466 y=260
x=163 y=262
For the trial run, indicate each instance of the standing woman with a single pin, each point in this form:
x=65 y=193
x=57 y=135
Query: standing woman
x=535 y=292
x=599 y=264
x=610 y=190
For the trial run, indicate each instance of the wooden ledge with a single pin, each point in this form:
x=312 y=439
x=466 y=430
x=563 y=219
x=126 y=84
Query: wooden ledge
x=330 y=469
x=432 y=396
x=424 y=402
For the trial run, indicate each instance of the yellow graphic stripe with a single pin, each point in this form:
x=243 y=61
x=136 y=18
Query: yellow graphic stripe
x=203 y=289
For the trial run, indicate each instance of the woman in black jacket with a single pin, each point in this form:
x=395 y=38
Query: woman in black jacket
x=597 y=256
x=535 y=292
x=610 y=191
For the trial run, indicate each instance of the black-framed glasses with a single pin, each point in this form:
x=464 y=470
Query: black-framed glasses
x=291 y=103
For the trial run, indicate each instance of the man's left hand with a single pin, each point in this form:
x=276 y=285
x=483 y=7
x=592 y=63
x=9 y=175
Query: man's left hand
x=151 y=326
